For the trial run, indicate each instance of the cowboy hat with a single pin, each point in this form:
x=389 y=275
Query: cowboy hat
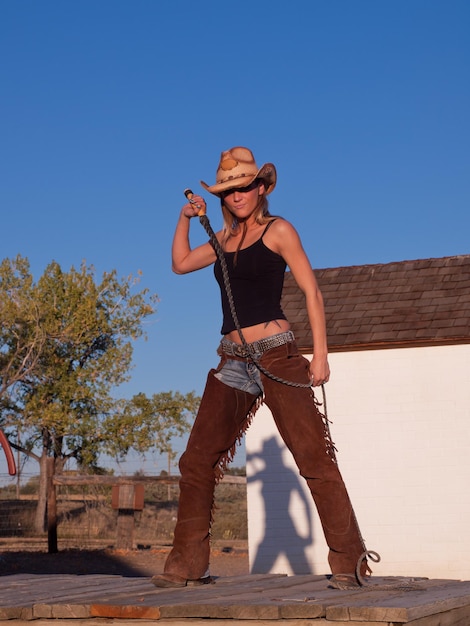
x=237 y=169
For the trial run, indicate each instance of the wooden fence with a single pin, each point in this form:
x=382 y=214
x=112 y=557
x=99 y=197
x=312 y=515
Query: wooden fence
x=127 y=499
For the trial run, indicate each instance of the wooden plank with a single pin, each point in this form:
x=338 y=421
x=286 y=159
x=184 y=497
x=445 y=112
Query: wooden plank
x=16 y=612
x=65 y=587
x=219 y=611
x=454 y=620
x=70 y=590
x=67 y=611
x=224 y=587
x=95 y=479
x=112 y=591
x=193 y=622
x=329 y=599
x=116 y=592
x=403 y=606
x=124 y=612
x=279 y=599
x=455 y=617
x=260 y=598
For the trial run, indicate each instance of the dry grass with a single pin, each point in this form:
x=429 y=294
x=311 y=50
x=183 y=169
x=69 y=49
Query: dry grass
x=86 y=517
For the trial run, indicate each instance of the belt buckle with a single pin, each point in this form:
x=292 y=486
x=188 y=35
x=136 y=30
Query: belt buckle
x=239 y=350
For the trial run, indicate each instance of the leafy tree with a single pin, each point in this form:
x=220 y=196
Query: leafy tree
x=66 y=345
x=21 y=333
x=143 y=423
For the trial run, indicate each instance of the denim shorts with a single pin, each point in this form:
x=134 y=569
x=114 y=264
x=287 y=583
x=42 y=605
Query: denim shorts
x=241 y=374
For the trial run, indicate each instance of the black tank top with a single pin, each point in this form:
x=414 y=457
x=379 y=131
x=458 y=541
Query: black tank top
x=256 y=281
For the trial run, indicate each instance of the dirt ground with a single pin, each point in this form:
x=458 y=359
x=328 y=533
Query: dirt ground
x=227 y=559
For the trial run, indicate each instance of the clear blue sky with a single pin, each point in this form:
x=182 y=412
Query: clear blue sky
x=110 y=108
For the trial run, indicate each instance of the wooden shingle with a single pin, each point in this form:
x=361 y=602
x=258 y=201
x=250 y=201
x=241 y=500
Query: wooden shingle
x=400 y=304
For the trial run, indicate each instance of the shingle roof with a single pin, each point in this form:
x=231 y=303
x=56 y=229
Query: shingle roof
x=407 y=303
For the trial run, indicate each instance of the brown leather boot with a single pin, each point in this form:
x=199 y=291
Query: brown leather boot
x=223 y=416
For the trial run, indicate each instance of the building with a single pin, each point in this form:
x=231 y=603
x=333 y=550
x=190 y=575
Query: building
x=399 y=403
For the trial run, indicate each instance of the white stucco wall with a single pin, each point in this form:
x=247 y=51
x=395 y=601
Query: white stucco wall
x=401 y=424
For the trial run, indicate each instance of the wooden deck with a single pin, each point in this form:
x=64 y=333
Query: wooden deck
x=253 y=599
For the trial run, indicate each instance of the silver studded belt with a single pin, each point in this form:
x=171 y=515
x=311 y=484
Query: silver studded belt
x=256 y=347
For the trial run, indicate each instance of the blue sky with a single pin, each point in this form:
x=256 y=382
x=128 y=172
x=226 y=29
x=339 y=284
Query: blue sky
x=110 y=108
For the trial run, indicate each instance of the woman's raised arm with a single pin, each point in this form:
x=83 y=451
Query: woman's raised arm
x=184 y=259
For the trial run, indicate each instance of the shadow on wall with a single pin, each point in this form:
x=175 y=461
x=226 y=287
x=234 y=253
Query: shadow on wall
x=278 y=486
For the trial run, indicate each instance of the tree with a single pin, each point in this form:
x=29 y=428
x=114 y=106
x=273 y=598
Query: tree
x=66 y=346
x=21 y=333
x=143 y=423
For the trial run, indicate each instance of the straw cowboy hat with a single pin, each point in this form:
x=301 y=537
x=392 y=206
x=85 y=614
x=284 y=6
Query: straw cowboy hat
x=237 y=169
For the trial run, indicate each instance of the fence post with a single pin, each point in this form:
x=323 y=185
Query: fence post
x=51 y=508
x=127 y=498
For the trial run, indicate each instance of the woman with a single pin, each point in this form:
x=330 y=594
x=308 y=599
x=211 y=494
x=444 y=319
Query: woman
x=259 y=362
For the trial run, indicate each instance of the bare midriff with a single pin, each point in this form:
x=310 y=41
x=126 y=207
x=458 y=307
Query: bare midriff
x=259 y=331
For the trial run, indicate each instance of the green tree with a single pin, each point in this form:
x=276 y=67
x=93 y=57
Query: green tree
x=66 y=346
x=21 y=333
x=142 y=423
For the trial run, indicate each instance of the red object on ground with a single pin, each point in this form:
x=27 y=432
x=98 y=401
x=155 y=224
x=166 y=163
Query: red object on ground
x=8 y=453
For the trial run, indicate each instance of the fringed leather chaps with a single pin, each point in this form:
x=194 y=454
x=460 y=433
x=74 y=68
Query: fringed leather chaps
x=305 y=433
x=223 y=416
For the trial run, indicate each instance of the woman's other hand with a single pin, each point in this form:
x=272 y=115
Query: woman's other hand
x=319 y=371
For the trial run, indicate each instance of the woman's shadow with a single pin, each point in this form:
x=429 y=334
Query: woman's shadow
x=281 y=537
